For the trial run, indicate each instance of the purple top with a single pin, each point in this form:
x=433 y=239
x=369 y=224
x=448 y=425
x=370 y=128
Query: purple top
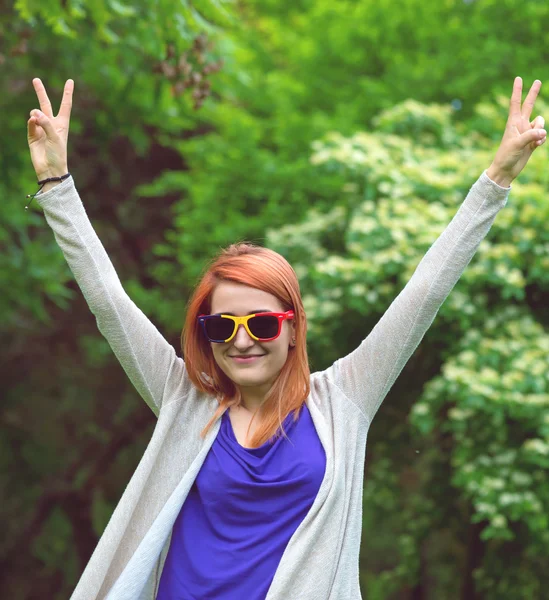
x=241 y=512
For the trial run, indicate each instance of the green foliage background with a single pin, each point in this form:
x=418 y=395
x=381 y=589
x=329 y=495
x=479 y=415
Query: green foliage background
x=345 y=136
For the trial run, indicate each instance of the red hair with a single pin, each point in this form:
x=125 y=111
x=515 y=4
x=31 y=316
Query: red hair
x=270 y=272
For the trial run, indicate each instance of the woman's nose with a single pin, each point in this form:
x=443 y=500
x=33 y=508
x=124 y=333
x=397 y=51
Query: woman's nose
x=242 y=336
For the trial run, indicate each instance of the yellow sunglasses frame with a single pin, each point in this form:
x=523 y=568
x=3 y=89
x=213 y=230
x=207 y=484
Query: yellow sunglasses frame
x=289 y=314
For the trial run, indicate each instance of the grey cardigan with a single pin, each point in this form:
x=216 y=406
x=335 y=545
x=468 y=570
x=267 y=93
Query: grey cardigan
x=322 y=557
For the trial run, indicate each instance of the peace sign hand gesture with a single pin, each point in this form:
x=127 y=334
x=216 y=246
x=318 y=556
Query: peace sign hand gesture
x=47 y=135
x=521 y=137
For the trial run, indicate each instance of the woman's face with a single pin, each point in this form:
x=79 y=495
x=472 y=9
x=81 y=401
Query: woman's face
x=254 y=379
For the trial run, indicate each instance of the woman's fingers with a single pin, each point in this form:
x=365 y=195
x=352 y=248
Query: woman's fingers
x=516 y=108
x=66 y=102
x=516 y=98
x=539 y=123
x=45 y=103
x=34 y=130
x=528 y=105
x=45 y=123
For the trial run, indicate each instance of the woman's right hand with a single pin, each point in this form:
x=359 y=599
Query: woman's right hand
x=47 y=135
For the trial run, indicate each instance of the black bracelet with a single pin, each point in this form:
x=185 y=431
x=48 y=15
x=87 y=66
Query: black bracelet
x=42 y=184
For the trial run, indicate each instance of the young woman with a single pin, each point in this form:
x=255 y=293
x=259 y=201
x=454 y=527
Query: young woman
x=251 y=485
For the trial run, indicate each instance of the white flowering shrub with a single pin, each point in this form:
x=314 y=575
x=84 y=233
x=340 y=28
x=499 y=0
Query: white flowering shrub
x=498 y=390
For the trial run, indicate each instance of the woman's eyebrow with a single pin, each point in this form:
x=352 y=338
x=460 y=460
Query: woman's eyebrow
x=260 y=310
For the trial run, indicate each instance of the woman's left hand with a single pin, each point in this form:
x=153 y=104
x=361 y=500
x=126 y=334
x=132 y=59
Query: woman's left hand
x=521 y=137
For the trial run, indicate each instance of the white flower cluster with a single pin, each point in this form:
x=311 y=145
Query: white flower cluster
x=538 y=446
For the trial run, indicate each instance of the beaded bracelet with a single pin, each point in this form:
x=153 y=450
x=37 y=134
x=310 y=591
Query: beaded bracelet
x=42 y=184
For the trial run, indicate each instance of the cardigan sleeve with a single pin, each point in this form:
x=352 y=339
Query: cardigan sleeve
x=147 y=358
x=367 y=374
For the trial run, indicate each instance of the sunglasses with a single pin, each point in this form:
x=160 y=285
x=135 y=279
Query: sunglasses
x=262 y=327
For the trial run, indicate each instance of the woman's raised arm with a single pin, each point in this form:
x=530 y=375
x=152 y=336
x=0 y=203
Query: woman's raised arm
x=148 y=359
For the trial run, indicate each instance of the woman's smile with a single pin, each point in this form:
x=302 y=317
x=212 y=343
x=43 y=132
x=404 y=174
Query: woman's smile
x=247 y=359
